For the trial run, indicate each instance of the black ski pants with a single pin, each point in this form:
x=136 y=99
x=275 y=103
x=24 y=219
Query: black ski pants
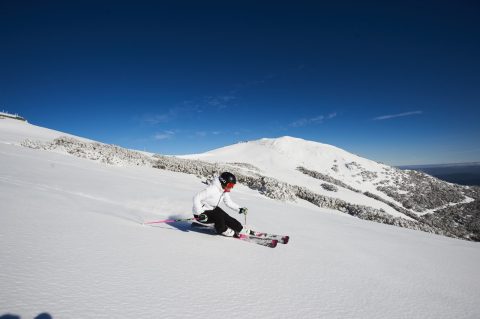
x=222 y=220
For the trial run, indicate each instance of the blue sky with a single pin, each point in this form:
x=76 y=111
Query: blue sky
x=396 y=82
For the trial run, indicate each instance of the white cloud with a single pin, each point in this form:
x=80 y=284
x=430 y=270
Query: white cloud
x=156 y=119
x=220 y=101
x=313 y=120
x=391 y=116
x=173 y=113
x=164 y=135
x=201 y=133
x=206 y=133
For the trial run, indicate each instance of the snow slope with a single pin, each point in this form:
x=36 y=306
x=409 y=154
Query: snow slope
x=280 y=157
x=289 y=153
x=72 y=245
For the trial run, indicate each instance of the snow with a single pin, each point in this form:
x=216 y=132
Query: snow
x=431 y=211
x=280 y=157
x=15 y=131
x=72 y=245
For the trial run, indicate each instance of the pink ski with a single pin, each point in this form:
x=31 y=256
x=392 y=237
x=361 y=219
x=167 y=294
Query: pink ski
x=283 y=239
x=272 y=243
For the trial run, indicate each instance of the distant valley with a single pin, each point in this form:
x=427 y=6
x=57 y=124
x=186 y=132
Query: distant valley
x=463 y=173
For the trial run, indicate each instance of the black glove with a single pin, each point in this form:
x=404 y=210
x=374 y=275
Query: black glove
x=243 y=210
x=202 y=218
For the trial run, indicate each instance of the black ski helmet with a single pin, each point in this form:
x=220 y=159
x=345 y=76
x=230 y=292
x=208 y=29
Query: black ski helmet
x=227 y=177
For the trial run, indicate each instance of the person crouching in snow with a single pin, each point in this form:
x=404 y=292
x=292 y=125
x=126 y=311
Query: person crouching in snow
x=206 y=210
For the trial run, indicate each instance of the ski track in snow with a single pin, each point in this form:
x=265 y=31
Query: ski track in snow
x=72 y=245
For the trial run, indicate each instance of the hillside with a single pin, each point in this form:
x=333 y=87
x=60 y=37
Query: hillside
x=11 y=116
x=73 y=245
x=289 y=169
x=331 y=176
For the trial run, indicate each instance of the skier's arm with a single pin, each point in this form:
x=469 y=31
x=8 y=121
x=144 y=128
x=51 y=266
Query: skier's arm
x=197 y=202
x=230 y=204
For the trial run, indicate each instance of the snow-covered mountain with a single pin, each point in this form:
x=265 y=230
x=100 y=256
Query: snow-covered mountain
x=327 y=172
x=290 y=169
x=73 y=245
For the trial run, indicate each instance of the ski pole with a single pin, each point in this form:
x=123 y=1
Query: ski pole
x=170 y=221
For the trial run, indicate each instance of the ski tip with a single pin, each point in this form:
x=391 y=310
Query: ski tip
x=274 y=243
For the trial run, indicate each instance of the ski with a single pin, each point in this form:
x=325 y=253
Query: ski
x=267 y=242
x=282 y=239
x=263 y=241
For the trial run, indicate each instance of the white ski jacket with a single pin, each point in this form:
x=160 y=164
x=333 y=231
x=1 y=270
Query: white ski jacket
x=210 y=198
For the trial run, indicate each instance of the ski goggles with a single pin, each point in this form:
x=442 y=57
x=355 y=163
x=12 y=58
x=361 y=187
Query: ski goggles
x=229 y=186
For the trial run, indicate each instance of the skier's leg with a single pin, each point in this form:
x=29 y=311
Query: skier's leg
x=217 y=216
x=232 y=223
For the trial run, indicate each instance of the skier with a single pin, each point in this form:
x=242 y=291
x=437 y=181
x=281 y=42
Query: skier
x=206 y=210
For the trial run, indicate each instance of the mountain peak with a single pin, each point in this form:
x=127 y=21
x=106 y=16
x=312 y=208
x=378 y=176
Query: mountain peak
x=285 y=153
x=285 y=138
x=298 y=147
x=289 y=141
